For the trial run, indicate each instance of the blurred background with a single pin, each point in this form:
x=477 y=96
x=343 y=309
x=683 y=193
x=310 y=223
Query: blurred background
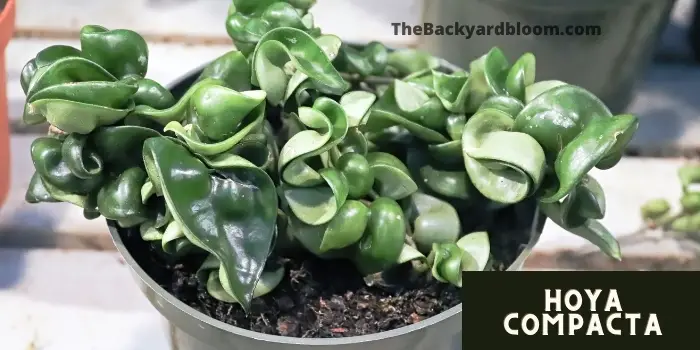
x=59 y=272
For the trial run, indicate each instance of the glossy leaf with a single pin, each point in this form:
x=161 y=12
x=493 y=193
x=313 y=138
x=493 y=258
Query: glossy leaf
x=591 y=230
x=505 y=166
x=219 y=119
x=44 y=58
x=210 y=274
x=121 y=52
x=383 y=241
x=407 y=61
x=492 y=75
x=452 y=90
x=432 y=221
x=282 y=45
x=356 y=104
x=248 y=21
x=120 y=198
x=230 y=212
x=391 y=177
x=54 y=169
x=231 y=68
x=372 y=59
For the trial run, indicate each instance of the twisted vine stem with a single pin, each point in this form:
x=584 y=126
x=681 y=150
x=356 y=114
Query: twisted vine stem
x=296 y=138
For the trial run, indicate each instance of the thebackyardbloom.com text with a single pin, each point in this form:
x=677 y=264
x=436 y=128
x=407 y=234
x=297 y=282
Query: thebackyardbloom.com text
x=503 y=28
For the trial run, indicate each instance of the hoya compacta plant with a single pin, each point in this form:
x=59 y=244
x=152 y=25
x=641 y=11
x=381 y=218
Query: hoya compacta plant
x=296 y=139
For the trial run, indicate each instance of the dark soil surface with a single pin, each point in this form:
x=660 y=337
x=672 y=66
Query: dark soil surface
x=317 y=298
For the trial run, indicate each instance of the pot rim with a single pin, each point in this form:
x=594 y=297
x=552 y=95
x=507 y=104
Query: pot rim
x=535 y=231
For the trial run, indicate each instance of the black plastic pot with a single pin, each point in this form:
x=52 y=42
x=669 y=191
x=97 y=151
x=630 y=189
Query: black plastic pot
x=192 y=330
x=614 y=60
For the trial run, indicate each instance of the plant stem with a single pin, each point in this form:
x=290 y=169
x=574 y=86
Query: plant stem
x=371 y=79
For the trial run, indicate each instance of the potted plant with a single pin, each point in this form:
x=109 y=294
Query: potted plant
x=298 y=189
x=7 y=27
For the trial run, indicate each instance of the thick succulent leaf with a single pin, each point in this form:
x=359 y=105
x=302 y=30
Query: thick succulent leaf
x=689 y=223
x=448 y=261
x=83 y=163
x=509 y=105
x=564 y=111
x=116 y=95
x=520 y=76
x=150 y=93
x=358 y=172
x=37 y=192
x=536 y=89
x=48 y=158
x=592 y=230
x=383 y=240
x=469 y=253
x=392 y=178
x=407 y=61
x=423 y=80
x=77 y=117
x=318 y=205
x=372 y=59
x=478 y=246
x=378 y=121
x=586 y=201
x=299 y=84
x=230 y=212
x=149 y=232
x=40 y=190
x=690 y=202
x=121 y=52
x=433 y=221
x=505 y=166
x=210 y=274
x=655 y=209
x=453 y=184
x=220 y=118
x=689 y=175
x=413 y=104
x=68 y=70
x=345 y=229
x=120 y=198
x=492 y=75
x=218 y=112
x=231 y=68
x=327 y=125
x=601 y=140
x=44 y=58
x=282 y=45
x=576 y=131
x=356 y=104
x=409 y=253
x=176 y=112
x=248 y=21
x=330 y=44
x=452 y=90
x=488 y=73
x=120 y=147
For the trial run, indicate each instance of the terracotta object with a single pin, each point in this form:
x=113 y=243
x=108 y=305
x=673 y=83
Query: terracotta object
x=7 y=26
